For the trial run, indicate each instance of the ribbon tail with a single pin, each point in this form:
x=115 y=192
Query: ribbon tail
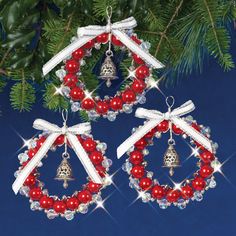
x=138 y=134
x=84 y=159
x=66 y=52
x=129 y=43
x=193 y=133
x=24 y=173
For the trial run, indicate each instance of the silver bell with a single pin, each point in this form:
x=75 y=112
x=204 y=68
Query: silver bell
x=171 y=159
x=64 y=173
x=108 y=70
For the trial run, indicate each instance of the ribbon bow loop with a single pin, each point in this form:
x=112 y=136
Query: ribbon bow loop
x=156 y=117
x=54 y=132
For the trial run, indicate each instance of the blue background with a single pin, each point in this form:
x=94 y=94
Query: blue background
x=213 y=93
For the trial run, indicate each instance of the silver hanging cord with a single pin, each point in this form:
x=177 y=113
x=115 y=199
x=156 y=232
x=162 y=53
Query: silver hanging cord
x=109 y=15
x=64 y=115
x=170 y=101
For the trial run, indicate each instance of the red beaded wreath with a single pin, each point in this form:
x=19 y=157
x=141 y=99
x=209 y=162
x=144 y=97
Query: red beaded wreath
x=81 y=99
x=151 y=190
x=79 y=201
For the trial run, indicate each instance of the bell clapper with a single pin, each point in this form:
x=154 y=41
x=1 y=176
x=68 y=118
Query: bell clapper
x=171 y=157
x=108 y=69
x=64 y=170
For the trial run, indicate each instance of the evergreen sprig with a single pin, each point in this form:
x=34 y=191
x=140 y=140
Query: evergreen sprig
x=182 y=34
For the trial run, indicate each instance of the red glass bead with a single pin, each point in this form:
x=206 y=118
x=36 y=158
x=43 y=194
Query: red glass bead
x=198 y=183
x=96 y=157
x=102 y=38
x=138 y=86
x=40 y=141
x=150 y=134
x=116 y=103
x=158 y=192
x=31 y=152
x=136 y=157
x=206 y=171
x=59 y=206
x=84 y=196
x=89 y=44
x=128 y=96
x=141 y=144
x=30 y=180
x=145 y=183
x=177 y=130
x=89 y=144
x=196 y=126
x=70 y=80
x=77 y=94
x=186 y=192
x=163 y=126
x=116 y=41
x=93 y=187
x=138 y=59
x=142 y=72
x=137 y=172
x=173 y=195
x=102 y=107
x=207 y=157
x=72 y=203
x=88 y=104
x=78 y=54
x=60 y=140
x=136 y=40
x=101 y=170
x=72 y=66
x=35 y=194
x=46 y=202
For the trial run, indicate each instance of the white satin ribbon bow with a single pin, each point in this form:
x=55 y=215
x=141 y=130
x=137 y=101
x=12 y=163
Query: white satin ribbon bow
x=155 y=117
x=85 y=34
x=54 y=132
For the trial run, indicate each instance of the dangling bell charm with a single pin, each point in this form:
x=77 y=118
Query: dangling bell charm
x=171 y=158
x=108 y=69
x=64 y=172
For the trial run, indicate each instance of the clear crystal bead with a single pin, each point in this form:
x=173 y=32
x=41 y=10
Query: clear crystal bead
x=145 y=152
x=16 y=173
x=145 y=46
x=181 y=204
x=198 y=196
x=158 y=134
x=211 y=183
x=134 y=183
x=82 y=62
x=106 y=163
x=23 y=157
x=97 y=46
x=146 y=197
x=89 y=53
x=61 y=73
x=66 y=91
x=51 y=214
x=216 y=165
x=73 y=39
x=93 y=115
x=69 y=215
x=101 y=147
x=40 y=164
x=189 y=119
x=24 y=190
x=33 y=143
x=107 y=180
x=34 y=206
x=83 y=208
x=206 y=130
x=97 y=198
x=150 y=174
x=75 y=106
x=163 y=203
x=215 y=147
x=45 y=192
x=141 y=99
x=127 y=166
x=111 y=115
x=127 y=108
